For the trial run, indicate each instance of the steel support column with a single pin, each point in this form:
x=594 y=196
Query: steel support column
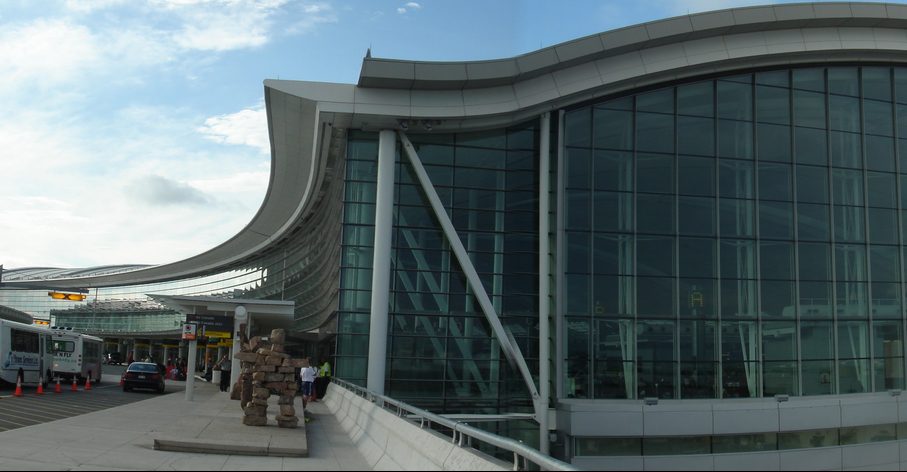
x=544 y=281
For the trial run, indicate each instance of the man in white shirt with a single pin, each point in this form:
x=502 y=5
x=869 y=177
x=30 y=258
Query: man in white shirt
x=307 y=376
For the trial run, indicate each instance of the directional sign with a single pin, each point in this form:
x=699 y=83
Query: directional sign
x=212 y=325
x=189 y=332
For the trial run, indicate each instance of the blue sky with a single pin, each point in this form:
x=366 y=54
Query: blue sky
x=133 y=131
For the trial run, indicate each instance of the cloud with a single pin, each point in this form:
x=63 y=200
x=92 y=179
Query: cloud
x=161 y=191
x=313 y=14
x=247 y=127
x=414 y=6
x=401 y=10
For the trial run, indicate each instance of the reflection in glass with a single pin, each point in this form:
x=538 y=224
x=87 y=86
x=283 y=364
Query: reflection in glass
x=739 y=344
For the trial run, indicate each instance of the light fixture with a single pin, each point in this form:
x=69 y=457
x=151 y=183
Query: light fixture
x=895 y=392
x=651 y=400
x=781 y=398
x=404 y=124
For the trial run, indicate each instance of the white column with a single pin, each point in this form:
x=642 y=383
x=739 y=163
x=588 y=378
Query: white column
x=240 y=316
x=384 y=205
x=190 y=370
x=544 y=283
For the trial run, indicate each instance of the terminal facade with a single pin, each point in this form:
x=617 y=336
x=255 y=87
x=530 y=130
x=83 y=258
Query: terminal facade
x=682 y=242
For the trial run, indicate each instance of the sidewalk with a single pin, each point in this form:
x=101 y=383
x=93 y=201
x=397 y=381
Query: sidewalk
x=122 y=438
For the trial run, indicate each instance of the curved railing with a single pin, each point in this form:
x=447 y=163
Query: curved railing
x=461 y=433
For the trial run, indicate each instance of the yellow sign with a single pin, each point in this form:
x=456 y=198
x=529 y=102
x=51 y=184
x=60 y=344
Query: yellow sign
x=42 y=323
x=74 y=297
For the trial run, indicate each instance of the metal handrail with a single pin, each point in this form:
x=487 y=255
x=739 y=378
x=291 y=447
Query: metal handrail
x=463 y=434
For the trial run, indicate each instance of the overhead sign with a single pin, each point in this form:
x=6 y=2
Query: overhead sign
x=189 y=332
x=212 y=326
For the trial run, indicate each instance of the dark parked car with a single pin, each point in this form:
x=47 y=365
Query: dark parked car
x=143 y=375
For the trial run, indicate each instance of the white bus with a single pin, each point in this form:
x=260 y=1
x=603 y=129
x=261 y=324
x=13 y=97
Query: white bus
x=25 y=349
x=76 y=355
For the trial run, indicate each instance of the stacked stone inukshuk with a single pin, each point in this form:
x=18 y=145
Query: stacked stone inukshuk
x=266 y=369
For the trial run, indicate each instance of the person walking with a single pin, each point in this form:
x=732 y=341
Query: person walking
x=307 y=375
x=225 y=365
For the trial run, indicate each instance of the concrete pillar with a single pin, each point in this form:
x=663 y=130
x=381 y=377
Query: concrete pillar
x=381 y=265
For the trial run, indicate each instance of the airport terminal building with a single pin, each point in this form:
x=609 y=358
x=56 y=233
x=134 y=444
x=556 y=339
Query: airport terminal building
x=677 y=244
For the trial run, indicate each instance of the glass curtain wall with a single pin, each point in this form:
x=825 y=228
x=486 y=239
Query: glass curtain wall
x=738 y=237
x=442 y=353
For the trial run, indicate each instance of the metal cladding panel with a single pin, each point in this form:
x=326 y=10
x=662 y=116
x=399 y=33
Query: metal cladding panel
x=669 y=27
x=794 y=12
x=579 y=48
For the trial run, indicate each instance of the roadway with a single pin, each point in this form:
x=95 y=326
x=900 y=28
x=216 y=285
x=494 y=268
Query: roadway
x=31 y=409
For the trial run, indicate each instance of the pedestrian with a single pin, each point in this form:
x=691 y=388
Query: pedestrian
x=307 y=375
x=225 y=365
x=324 y=378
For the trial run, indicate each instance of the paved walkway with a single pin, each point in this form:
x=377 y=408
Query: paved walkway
x=121 y=438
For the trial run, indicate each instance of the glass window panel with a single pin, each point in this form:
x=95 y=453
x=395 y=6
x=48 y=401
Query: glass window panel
x=868 y=434
x=655 y=341
x=735 y=179
x=811 y=146
x=675 y=445
x=854 y=378
x=815 y=261
x=883 y=226
x=853 y=339
x=778 y=78
x=698 y=379
x=744 y=443
x=577 y=287
x=903 y=179
x=885 y=264
x=844 y=113
x=807 y=439
x=776 y=220
x=889 y=373
x=578 y=245
x=887 y=339
x=696 y=135
x=900 y=84
x=697 y=298
x=849 y=224
x=778 y=299
x=655 y=255
x=774 y=181
x=817 y=340
x=815 y=300
x=886 y=300
x=612 y=254
x=735 y=100
x=847 y=187
x=739 y=352
x=578 y=356
x=655 y=214
x=696 y=258
x=735 y=139
x=882 y=189
x=777 y=260
x=773 y=142
x=879 y=153
x=809 y=109
x=612 y=129
x=878 y=118
x=654 y=132
x=877 y=83
x=779 y=341
x=772 y=105
x=578 y=128
x=613 y=295
x=696 y=99
x=738 y=259
x=780 y=378
x=696 y=216
x=846 y=149
x=612 y=211
x=818 y=379
x=608 y=446
x=812 y=222
x=659 y=101
x=655 y=296
x=655 y=173
x=812 y=184
x=852 y=300
x=844 y=81
x=901 y=111
x=737 y=218
x=738 y=298
x=613 y=170
x=696 y=176
x=809 y=79
x=578 y=213
x=850 y=263
x=614 y=344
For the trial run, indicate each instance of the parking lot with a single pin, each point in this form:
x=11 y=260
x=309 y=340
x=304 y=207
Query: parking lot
x=30 y=408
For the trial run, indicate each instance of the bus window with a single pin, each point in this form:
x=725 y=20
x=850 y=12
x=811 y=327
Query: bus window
x=64 y=346
x=23 y=341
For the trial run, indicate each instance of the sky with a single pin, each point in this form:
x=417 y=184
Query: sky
x=134 y=131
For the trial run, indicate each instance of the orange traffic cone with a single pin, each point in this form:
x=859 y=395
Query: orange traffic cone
x=75 y=388
x=57 y=389
x=18 y=391
x=88 y=384
x=40 y=386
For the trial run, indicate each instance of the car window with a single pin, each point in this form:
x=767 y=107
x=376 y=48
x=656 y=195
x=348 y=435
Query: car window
x=142 y=368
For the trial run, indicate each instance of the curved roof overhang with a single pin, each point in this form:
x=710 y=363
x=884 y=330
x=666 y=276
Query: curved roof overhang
x=303 y=117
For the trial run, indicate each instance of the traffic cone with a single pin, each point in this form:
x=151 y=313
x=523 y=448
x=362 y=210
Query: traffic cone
x=88 y=384
x=40 y=386
x=75 y=388
x=18 y=391
x=57 y=389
